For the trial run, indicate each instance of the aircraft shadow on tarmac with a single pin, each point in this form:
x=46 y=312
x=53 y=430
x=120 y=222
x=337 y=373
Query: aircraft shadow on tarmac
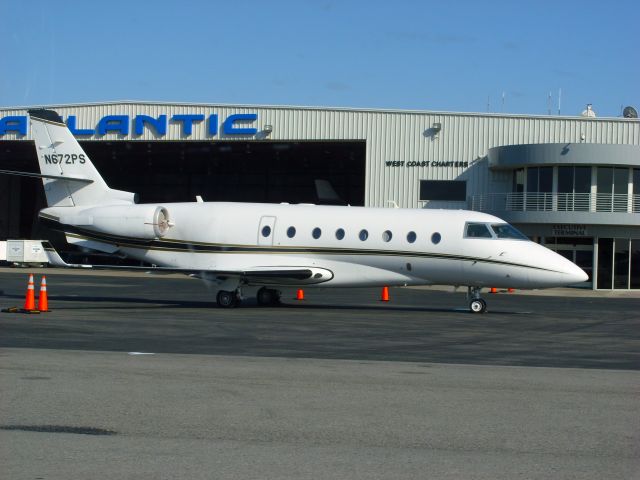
x=126 y=303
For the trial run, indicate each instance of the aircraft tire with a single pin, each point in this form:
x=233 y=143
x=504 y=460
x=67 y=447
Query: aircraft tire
x=478 y=305
x=268 y=296
x=226 y=299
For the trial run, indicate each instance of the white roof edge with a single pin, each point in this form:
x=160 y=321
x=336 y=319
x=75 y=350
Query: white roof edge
x=317 y=108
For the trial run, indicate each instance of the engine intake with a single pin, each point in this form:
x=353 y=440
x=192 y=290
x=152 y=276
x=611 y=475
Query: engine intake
x=146 y=222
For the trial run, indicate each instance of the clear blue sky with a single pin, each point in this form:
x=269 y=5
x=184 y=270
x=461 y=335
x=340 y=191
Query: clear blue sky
x=445 y=55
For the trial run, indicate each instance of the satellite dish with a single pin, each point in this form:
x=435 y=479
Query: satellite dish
x=629 y=112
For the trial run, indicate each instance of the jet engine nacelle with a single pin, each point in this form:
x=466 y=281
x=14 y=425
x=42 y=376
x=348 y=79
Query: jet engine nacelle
x=146 y=222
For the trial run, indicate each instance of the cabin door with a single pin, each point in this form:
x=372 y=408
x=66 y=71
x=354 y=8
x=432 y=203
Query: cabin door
x=266 y=230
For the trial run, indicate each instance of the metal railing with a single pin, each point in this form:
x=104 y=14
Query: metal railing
x=556 y=202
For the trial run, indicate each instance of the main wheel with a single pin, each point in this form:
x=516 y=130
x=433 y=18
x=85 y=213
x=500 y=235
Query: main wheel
x=478 y=306
x=226 y=299
x=268 y=296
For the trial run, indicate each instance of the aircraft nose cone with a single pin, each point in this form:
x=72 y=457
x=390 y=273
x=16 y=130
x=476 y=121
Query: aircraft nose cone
x=573 y=273
x=577 y=274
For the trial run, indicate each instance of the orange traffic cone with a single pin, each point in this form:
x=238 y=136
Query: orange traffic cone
x=511 y=290
x=300 y=294
x=30 y=299
x=493 y=290
x=385 y=294
x=43 y=303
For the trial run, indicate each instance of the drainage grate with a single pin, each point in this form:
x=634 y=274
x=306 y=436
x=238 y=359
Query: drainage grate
x=59 y=429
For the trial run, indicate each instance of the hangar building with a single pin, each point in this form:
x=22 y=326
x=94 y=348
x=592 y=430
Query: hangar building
x=571 y=183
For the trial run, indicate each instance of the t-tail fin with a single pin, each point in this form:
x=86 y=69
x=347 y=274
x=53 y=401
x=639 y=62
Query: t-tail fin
x=69 y=177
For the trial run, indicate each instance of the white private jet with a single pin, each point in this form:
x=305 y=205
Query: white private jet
x=240 y=246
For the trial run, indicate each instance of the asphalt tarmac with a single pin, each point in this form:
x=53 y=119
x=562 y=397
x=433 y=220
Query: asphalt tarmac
x=138 y=377
x=179 y=315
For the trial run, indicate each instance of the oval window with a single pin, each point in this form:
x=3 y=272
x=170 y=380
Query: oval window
x=266 y=231
x=387 y=235
x=436 y=237
x=316 y=233
x=363 y=235
x=291 y=232
x=340 y=234
x=411 y=237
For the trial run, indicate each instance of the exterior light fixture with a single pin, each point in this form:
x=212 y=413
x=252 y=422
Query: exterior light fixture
x=434 y=131
x=267 y=129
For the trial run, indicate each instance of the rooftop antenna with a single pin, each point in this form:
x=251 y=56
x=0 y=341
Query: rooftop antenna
x=559 y=99
x=503 y=95
x=488 y=103
x=549 y=104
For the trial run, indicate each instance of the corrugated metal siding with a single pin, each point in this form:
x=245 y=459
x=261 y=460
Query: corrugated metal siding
x=390 y=136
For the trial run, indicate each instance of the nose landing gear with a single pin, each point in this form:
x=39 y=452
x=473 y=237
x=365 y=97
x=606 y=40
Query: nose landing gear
x=227 y=299
x=476 y=304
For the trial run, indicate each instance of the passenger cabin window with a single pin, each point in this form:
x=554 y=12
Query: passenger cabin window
x=411 y=237
x=504 y=230
x=435 y=238
x=316 y=233
x=266 y=231
x=387 y=235
x=478 y=230
x=291 y=232
x=340 y=234
x=363 y=235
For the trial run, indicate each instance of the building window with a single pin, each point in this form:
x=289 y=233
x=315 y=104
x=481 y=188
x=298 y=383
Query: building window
x=539 y=188
x=635 y=264
x=574 y=188
x=612 y=188
x=605 y=263
x=518 y=181
x=448 y=190
x=621 y=263
x=636 y=190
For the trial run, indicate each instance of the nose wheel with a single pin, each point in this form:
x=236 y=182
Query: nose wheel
x=476 y=304
x=226 y=299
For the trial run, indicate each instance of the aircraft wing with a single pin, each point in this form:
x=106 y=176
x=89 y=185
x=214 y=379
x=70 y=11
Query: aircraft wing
x=263 y=275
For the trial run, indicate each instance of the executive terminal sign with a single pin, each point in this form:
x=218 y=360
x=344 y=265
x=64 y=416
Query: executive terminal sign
x=237 y=124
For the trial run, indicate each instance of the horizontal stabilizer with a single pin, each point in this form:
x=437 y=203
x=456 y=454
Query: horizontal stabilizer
x=40 y=175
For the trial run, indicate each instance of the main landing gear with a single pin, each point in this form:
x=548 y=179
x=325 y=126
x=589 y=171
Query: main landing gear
x=231 y=299
x=476 y=304
x=268 y=296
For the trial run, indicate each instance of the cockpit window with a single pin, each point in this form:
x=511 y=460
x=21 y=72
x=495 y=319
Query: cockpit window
x=478 y=230
x=504 y=230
